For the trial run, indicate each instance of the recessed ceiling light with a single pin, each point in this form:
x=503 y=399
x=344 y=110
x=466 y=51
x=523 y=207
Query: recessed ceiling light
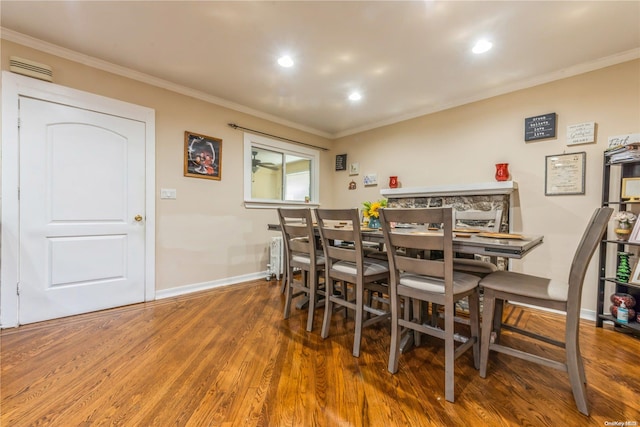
x=355 y=96
x=285 y=61
x=482 y=46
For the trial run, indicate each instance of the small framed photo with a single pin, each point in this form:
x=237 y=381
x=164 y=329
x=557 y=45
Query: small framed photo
x=202 y=156
x=354 y=168
x=634 y=237
x=630 y=189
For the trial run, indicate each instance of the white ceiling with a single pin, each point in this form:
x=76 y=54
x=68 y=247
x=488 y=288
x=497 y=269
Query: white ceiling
x=408 y=58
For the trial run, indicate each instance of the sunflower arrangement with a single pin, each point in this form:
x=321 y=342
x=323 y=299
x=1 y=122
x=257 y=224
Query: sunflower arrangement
x=371 y=208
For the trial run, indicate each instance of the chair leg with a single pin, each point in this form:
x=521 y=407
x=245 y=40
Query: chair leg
x=449 y=353
x=328 y=307
x=474 y=324
x=417 y=316
x=313 y=290
x=289 y=294
x=394 y=351
x=487 y=327
x=357 y=337
x=497 y=318
x=583 y=376
x=434 y=314
x=577 y=385
x=285 y=277
x=575 y=368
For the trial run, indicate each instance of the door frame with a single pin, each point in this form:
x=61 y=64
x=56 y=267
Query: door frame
x=14 y=86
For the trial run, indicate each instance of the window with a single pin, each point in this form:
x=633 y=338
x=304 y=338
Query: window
x=279 y=173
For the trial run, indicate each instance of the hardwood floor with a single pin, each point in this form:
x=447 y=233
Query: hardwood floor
x=227 y=358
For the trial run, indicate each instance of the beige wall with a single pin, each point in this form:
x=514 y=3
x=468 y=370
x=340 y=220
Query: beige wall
x=207 y=235
x=462 y=145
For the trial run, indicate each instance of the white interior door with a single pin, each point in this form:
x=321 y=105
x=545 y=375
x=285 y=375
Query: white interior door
x=82 y=211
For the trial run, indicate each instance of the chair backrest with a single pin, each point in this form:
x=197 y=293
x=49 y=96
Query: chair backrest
x=402 y=242
x=342 y=225
x=297 y=232
x=486 y=220
x=590 y=239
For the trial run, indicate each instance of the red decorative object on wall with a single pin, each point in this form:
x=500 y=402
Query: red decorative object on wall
x=393 y=182
x=502 y=171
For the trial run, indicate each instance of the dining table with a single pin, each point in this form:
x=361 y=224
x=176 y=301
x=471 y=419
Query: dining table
x=467 y=241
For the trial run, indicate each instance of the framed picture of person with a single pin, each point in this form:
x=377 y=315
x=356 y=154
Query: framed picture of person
x=202 y=156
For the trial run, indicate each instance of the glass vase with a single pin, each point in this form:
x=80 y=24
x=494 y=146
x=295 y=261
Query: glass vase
x=502 y=171
x=623 y=231
x=374 y=223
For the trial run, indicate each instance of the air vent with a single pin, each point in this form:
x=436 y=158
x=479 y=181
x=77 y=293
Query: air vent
x=30 y=68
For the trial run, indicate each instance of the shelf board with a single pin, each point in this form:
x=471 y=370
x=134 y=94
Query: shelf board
x=621 y=242
x=613 y=280
x=624 y=202
x=631 y=325
x=625 y=162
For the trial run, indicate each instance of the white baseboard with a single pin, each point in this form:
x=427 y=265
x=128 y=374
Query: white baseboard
x=197 y=287
x=588 y=314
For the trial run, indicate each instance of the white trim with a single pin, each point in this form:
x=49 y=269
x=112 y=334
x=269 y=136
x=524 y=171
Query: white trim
x=588 y=314
x=204 y=286
x=14 y=86
x=252 y=140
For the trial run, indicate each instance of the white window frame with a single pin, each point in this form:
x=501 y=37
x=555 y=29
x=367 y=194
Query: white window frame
x=250 y=141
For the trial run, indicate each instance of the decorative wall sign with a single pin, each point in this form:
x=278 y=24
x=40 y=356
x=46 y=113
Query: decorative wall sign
x=582 y=133
x=564 y=174
x=341 y=162
x=540 y=127
x=371 y=179
x=622 y=140
x=354 y=169
x=353 y=186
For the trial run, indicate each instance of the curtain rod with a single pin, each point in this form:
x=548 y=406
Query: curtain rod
x=235 y=126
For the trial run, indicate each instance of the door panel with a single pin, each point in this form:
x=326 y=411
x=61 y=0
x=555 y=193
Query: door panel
x=72 y=259
x=81 y=187
x=87 y=173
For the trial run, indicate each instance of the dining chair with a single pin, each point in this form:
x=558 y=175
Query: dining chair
x=428 y=280
x=347 y=264
x=489 y=221
x=549 y=294
x=300 y=252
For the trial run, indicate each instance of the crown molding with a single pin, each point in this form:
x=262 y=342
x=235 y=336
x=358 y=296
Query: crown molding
x=90 y=61
x=34 y=43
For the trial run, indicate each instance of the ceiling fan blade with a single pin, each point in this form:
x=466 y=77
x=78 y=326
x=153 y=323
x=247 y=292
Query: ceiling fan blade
x=271 y=166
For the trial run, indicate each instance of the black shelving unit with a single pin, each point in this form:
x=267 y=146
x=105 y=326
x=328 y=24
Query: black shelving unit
x=628 y=169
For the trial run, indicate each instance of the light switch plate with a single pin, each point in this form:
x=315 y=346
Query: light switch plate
x=167 y=193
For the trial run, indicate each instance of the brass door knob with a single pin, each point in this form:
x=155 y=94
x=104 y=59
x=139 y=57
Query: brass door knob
x=138 y=218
